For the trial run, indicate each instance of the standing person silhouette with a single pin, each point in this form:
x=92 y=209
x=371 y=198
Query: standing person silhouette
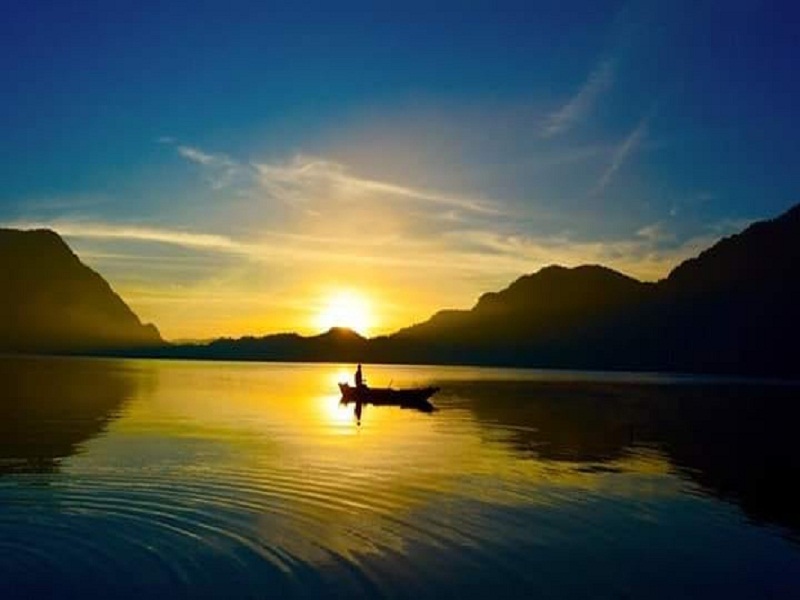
x=359 y=377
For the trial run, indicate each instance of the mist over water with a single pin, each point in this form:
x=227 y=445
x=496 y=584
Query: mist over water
x=133 y=479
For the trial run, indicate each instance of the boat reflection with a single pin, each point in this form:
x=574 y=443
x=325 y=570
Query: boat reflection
x=423 y=406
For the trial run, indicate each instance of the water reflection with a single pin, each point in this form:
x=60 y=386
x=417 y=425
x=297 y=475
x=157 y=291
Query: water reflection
x=181 y=479
x=50 y=407
x=736 y=442
x=358 y=406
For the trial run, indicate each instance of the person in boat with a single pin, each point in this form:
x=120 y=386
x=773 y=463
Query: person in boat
x=359 y=377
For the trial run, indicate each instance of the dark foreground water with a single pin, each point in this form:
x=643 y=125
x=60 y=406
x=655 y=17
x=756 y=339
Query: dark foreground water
x=147 y=479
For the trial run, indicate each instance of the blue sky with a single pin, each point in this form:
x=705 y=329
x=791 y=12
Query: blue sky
x=250 y=159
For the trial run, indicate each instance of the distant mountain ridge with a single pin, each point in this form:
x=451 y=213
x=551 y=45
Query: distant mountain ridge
x=51 y=302
x=731 y=310
x=546 y=305
x=336 y=344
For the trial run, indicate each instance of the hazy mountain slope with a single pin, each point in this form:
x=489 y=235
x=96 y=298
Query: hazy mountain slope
x=51 y=302
x=336 y=344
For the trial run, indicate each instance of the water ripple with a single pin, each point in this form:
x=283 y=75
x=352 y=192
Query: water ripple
x=207 y=490
x=181 y=526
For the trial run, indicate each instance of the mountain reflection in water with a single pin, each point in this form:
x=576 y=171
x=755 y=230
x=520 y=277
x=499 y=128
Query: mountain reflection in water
x=735 y=440
x=133 y=479
x=49 y=406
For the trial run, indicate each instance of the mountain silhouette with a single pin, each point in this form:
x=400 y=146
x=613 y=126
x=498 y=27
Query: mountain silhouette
x=735 y=306
x=557 y=316
x=336 y=344
x=731 y=310
x=53 y=303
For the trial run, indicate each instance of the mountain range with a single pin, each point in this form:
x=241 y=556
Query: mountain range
x=730 y=310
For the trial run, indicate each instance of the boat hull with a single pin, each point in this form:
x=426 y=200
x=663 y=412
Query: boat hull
x=412 y=397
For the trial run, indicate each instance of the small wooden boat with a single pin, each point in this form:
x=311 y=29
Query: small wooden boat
x=409 y=397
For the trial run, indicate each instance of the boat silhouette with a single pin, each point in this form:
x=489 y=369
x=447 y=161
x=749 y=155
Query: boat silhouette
x=404 y=398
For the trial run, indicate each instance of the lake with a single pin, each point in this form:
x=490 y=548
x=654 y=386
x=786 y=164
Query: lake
x=160 y=479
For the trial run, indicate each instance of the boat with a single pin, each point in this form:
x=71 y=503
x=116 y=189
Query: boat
x=404 y=398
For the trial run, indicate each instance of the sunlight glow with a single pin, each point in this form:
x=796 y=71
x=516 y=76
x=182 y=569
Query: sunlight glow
x=346 y=309
x=336 y=416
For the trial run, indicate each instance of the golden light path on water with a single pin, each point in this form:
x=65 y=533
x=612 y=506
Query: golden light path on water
x=204 y=474
x=324 y=486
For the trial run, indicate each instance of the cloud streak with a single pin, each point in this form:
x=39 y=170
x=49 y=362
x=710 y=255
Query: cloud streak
x=114 y=231
x=305 y=179
x=203 y=158
x=222 y=170
x=308 y=182
x=648 y=254
x=621 y=154
x=599 y=80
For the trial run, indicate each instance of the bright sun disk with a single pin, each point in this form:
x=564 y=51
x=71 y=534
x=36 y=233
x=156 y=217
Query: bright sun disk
x=346 y=309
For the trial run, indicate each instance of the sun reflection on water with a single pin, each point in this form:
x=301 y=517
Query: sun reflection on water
x=339 y=416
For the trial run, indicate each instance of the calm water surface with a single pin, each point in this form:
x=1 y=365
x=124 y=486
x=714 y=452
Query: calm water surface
x=147 y=479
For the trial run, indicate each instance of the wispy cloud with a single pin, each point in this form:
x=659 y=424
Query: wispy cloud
x=655 y=233
x=312 y=183
x=222 y=170
x=474 y=239
x=599 y=80
x=270 y=246
x=648 y=254
x=305 y=179
x=207 y=160
x=115 y=231
x=621 y=154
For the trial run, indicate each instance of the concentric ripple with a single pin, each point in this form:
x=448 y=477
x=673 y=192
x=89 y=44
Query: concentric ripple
x=177 y=531
x=161 y=503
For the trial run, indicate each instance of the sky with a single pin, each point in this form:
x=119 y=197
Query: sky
x=248 y=167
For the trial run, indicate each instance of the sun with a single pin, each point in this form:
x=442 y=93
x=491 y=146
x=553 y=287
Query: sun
x=346 y=309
